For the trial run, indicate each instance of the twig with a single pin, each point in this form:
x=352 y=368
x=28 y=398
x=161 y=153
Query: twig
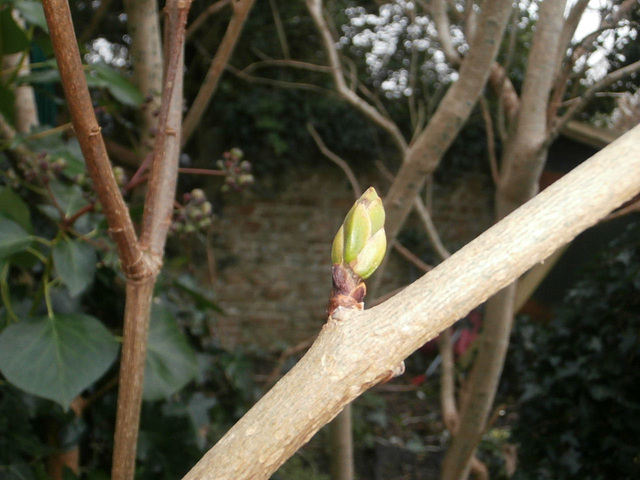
x=241 y=9
x=491 y=143
x=279 y=28
x=355 y=185
x=406 y=253
x=430 y=228
x=202 y=18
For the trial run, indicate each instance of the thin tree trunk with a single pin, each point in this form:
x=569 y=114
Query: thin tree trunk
x=522 y=163
x=341 y=440
x=241 y=9
x=146 y=53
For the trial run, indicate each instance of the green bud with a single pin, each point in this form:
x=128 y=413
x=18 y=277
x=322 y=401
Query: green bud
x=361 y=241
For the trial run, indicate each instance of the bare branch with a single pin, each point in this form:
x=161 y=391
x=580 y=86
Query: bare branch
x=355 y=185
x=280 y=83
x=315 y=8
x=576 y=106
x=280 y=29
x=491 y=143
x=204 y=16
x=87 y=130
x=338 y=367
x=411 y=257
x=241 y=9
x=430 y=228
x=441 y=20
x=164 y=166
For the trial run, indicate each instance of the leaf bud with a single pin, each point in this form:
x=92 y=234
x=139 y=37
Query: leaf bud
x=361 y=242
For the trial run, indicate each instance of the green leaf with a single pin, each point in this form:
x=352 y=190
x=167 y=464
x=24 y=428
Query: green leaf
x=171 y=362
x=102 y=75
x=13 y=39
x=32 y=12
x=69 y=197
x=14 y=208
x=58 y=357
x=188 y=285
x=75 y=262
x=13 y=238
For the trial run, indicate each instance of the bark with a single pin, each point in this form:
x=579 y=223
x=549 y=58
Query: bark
x=241 y=9
x=146 y=53
x=356 y=351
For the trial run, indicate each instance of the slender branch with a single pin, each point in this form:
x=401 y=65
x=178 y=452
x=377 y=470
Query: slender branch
x=338 y=367
x=286 y=63
x=279 y=28
x=355 y=185
x=491 y=143
x=279 y=83
x=204 y=16
x=241 y=9
x=430 y=228
x=581 y=102
x=90 y=139
x=411 y=257
x=315 y=9
x=164 y=165
x=441 y=21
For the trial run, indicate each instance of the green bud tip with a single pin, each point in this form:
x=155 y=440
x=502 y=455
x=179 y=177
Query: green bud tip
x=361 y=241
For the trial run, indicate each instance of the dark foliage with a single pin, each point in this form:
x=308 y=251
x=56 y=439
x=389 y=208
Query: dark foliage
x=580 y=376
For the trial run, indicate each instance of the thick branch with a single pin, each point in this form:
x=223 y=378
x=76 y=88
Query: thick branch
x=88 y=133
x=441 y=20
x=339 y=365
x=241 y=9
x=426 y=152
x=524 y=157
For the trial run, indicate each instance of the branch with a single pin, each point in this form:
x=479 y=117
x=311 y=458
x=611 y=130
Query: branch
x=315 y=9
x=241 y=9
x=279 y=83
x=430 y=228
x=441 y=21
x=425 y=153
x=582 y=101
x=158 y=206
x=339 y=367
x=85 y=125
x=491 y=143
x=279 y=28
x=355 y=185
x=204 y=16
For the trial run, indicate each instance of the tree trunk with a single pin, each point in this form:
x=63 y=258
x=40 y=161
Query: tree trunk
x=523 y=161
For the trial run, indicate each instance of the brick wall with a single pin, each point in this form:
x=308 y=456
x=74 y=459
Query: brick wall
x=273 y=276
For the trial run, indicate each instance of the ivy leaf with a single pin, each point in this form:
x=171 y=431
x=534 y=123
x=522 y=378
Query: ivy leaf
x=13 y=238
x=33 y=12
x=14 y=208
x=58 y=357
x=12 y=37
x=102 y=75
x=171 y=362
x=75 y=262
